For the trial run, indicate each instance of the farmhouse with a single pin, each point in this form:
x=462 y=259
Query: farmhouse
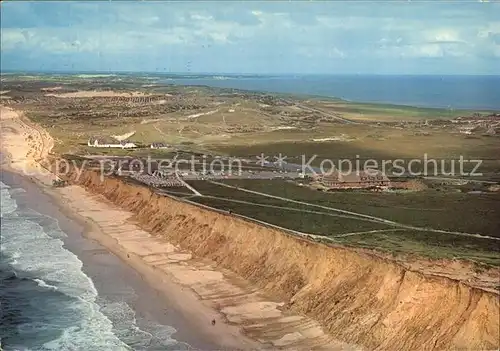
x=127 y=144
x=159 y=145
x=109 y=142
x=355 y=180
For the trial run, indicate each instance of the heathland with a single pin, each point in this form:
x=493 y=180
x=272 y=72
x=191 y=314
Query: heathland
x=330 y=254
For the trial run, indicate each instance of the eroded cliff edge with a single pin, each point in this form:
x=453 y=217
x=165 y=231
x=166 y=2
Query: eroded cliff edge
x=358 y=298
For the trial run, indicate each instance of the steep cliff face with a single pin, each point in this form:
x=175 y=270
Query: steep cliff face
x=359 y=298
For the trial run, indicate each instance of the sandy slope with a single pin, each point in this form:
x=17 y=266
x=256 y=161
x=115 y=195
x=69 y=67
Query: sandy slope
x=202 y=291
x=357 y=296
x=24 y=145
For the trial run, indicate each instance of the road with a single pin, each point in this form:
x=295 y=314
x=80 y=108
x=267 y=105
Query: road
x=461 y=179
x=312 y=109
x=196 y=192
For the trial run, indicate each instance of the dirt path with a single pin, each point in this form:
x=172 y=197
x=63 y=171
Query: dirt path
x=285 y=208
x=340 y=118
x=365 y=232
x=196 y=192
x=159 y=130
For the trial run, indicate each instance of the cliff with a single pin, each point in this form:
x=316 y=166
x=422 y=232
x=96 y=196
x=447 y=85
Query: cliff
x=359 y=298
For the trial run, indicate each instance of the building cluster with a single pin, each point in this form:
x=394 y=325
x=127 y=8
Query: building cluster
x=133 y=99
x=158 y=179
x=477 y=123
x=110 y=143
x=372 y=179
x=107 y=142
x=159 y=145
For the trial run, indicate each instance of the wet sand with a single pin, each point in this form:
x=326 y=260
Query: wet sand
x=115 y=280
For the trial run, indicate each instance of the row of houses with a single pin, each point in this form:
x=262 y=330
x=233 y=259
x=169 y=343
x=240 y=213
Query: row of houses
x=164 y=181
x=104 y=142
x=123 y=144
x=354 y=180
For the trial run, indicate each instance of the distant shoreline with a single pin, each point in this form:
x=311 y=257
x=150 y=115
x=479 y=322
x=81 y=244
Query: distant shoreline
x=470 y=93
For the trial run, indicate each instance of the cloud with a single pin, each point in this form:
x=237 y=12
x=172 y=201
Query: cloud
x=326 y=52
x=254 y=34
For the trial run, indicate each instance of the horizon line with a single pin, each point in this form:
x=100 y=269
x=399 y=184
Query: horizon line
x=240 y=73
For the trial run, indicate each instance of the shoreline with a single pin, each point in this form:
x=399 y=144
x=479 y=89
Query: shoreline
x=201 y=288
x=19 y=161
x=246 y=318
x=177 y=288
x=182 y=300
x=197 y=287
x=115 y=280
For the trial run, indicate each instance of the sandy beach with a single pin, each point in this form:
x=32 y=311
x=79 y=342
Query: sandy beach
x=24 y=146
x=119 y=285
x=244 y=317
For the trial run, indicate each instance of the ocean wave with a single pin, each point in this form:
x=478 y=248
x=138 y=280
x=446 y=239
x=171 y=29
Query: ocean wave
x=125 y=326
x=41 y=283
x=14 y=256
x=72 y=309
x=54 y=305
x=74 y=338
x=49 y=224
x=14 y=191
x=8 y=205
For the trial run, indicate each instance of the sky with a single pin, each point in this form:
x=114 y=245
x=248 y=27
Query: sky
x=261 y=37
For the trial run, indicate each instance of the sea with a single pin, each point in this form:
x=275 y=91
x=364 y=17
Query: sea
x=445 y=92
x=453 y=92
x=48 y=302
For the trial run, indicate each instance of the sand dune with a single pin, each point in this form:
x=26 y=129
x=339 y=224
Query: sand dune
x=223 y=294
x=25 y=145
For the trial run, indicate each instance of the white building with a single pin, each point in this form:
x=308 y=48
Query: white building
x=159 y=146
x=102 y=142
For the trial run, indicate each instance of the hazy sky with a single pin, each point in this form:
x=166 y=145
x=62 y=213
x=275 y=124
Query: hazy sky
x=432 y=37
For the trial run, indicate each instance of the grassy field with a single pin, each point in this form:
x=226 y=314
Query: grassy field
x=430 y=245
x=211 y=121
x=327 y=224
x=479 y=213
x=237 y=122
x=428 y=209
x=369 y=142
x=386 y=112
x=442 y=151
